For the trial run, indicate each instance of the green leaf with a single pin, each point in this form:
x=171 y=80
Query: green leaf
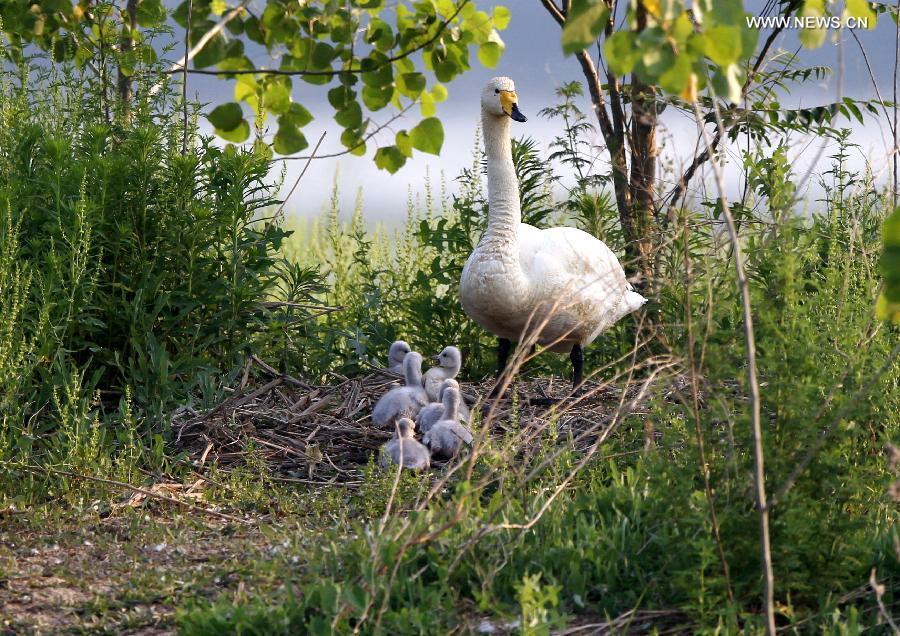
x=353 y=141
x=226 y=117
x=439 y=93
x=350 y=116
x=277 y=97
x=812 y=38
x=150 y=13
x=411 y=84
x=389 y=158
x=236 y=135
x=860 y=9
x=426 y=103
x=288 y=139
x=428 y=135
x=404 y=143
x=340 y=96
x=722 y=44
x=298 y=115
x=376 y=98
x=501 y=17
x=621 y=52
x=585 y=21
x=489 y=54
x=322 y=55
x=676 y=78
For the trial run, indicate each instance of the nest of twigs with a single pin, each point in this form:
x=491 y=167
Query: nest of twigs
x=323 y=434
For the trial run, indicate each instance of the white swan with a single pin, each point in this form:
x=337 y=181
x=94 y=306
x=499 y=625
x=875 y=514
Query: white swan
x=431 y=414
x=396 y=354
x=403 y=449
x=447 y=436
x=403 y=401
x=518 y=275
x=449 y=363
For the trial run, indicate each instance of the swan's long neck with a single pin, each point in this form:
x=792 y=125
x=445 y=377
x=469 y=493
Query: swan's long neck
x=412 y=371
x=505 y=212
x=451 y=405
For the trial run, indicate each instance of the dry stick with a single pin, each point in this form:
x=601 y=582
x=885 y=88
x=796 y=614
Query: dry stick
x=184 y=77
x=896 y=69
x=878 y=589
x=302 y=172
x=759 y=475
x=695 y=408
x=122 y=484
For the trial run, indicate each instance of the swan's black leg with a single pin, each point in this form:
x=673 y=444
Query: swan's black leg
x=503 y=348
x=577 y=357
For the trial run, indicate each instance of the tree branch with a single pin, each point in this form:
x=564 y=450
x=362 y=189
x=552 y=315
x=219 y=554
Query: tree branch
x=680 y=188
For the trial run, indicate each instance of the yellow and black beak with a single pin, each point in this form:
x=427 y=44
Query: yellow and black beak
x=508 y=102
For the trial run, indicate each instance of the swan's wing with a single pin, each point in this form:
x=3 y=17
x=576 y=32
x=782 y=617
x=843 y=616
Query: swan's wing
x=564 y=254
x=579 y=271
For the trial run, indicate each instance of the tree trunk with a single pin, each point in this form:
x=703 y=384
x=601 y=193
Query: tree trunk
x=126 y=45
x=643 y=164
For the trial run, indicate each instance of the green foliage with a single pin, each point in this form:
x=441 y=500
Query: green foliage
x=349 y=50
x=130 y=274
x=888 y=306
x=322 y=47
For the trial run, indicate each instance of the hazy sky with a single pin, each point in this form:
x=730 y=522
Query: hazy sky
x=533 y=58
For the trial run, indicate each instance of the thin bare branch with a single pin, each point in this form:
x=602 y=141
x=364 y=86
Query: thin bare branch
x=759 y=474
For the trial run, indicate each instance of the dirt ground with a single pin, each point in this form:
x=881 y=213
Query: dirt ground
x=123 y=574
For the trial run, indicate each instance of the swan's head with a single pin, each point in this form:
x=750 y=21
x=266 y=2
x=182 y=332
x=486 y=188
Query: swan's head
x=499 y=99
x=449 y=358
x=449 y=383
x=397 y=352
x=405 y=427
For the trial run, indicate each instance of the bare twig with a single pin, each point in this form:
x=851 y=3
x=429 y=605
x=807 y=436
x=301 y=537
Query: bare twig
x=759 y=476
x=122 y=484
x=878 y=589
x=896 y=149
x=361 y=142
x=184 y=77
x=302 y=172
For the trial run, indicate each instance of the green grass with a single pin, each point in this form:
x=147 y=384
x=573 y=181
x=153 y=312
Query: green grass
x=113 y=315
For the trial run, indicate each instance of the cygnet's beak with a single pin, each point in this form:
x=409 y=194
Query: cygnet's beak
x=436 y=358
x=516 y=114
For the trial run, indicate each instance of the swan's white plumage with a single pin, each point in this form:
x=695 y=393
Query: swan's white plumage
x=404 y=401
x=447 y=437
x=518 y=273
x=396 y=354
x=404 y=450
x=434 y=412
x=449 y=363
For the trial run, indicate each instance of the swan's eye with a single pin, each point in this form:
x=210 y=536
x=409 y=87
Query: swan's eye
x=496 y=91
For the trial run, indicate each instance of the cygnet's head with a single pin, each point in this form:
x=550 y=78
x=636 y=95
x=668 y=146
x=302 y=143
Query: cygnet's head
x=397 y=352
x=499 y=99
x=449 y=383
x=405 y=427
x=449 y=358
x=450 y=400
